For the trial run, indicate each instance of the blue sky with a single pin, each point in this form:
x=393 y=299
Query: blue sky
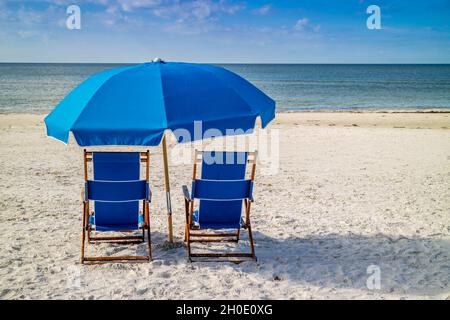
x=309 y=31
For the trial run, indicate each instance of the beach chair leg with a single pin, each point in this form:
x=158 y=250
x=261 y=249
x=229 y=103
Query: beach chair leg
x=83 y=232
x=189 y=249
x=149 y=238
x=89 y=234
x=149 y=244
x=82 y=244
x=188 y=235
x=147 y=226
x=252 y=245
x=187 y=212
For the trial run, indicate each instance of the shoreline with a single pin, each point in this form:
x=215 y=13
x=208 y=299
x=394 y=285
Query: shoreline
x=370 y=110
x=397 y=119
x=324 y=110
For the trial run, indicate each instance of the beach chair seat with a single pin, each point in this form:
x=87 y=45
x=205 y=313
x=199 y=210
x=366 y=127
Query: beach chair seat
x=116 y=191
x=222 y=193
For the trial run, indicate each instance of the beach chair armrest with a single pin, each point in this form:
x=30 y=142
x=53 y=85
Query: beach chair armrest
x=187 y=196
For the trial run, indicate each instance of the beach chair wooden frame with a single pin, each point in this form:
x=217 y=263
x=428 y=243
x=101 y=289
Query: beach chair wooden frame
x=194 y=234
x=134 y=239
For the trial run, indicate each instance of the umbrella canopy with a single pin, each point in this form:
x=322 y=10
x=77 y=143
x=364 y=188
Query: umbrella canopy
x=134 y=105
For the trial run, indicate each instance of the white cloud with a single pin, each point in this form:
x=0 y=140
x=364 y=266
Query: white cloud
x=70 y=2
x=24 y=34
x=130 y=5
x=191 y=17
x=186 y=28
x=179 y=16
x=262 y=10
x=29 y=17
x=198 y=9
x=301 y=24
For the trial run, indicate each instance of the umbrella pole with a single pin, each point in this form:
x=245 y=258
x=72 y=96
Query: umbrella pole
x=166 y=179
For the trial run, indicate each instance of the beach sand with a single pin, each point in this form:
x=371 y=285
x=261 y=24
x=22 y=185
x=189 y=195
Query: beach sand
x=351 y=190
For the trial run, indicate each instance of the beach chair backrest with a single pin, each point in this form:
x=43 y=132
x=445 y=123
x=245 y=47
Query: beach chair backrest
x=222 y=188
x=116 y=190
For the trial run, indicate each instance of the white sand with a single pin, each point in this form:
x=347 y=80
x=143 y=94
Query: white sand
x=351 y=191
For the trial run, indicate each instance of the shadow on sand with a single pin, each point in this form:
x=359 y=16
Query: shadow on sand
x=407 y=265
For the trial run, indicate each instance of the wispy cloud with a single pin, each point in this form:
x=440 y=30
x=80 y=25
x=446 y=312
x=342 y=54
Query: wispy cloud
x=26 y=22
x=196 y=10
x=184 y=17
x=190 y=17
x=200 y=9
x=178 y=16
x=264 y=10
x=30 y=17
x=304 y=24
x=130 y=5
x=301 y=24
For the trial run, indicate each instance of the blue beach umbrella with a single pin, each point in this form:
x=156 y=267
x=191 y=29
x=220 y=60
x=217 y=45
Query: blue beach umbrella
x=135 y=105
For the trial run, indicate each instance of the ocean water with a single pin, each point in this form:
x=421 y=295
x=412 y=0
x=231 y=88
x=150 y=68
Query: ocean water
x=38 y=88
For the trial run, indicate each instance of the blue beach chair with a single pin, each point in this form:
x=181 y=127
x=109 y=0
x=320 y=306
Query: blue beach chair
x=116 y=192
x=221 y=193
